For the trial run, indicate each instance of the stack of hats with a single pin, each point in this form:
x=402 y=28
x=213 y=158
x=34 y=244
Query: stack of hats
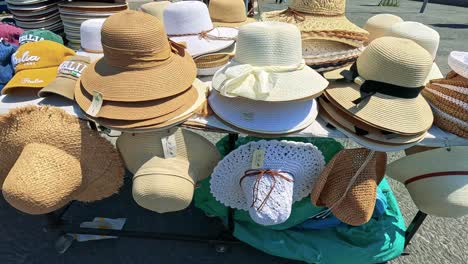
x=448 y=96
x=144 y=81
x=75 y=13
x=10 y=33
x=34 y=14
x=267 y=81
x=330 y=40
x=380 y=107
x=380 y=24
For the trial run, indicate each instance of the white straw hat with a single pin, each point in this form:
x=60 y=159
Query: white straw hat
x=190 y=22
x=268 y=66
x=437 y=180
x=155 y=9
x=90 y=34
x=266 y=178
x=458 y=61
x=380 y=24
x=264 y=117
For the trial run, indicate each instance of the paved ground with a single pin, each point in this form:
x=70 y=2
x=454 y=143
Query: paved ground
x=22 y=239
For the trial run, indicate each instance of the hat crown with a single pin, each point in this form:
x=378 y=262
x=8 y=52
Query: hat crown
x=380 y=24
x=395 y=61
x=155 y=9
x=231 y=11
x=90 y=33
x=188 y=17
x=269 y=43
x=38 y=55
x=320 y=7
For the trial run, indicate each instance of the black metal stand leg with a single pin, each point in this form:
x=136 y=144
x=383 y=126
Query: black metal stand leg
x=414 y=226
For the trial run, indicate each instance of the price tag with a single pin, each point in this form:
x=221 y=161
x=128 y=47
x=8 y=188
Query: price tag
x=96 y=104
x=257 y=159
x=169 y=146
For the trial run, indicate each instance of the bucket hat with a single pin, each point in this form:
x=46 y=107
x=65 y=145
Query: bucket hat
x=228 y=13
x=67 y=76
x=139 y=63
x=268 y=66
x=36 y=64
x=167 y=165
x=10 y=33
x=190 y=22
x=38 y=35
x=379 y=25
x=348 y=185
x=155 y=9
x=6 y=66
x=458 y=61
x=90 y=39
x=437 y=188
x=44 y=166
x=388 y=78
x=266 y=178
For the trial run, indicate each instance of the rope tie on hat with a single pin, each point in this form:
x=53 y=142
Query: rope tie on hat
x=369 y=88
x=204 y=35
x=259 y=174
x=254 y=82
x=298 y=16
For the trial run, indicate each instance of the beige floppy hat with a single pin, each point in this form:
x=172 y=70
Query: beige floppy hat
x=155 y=9
x=380 y=24
x=228 y=13
x=437 y=180
x=387 y=80
x=167 y=165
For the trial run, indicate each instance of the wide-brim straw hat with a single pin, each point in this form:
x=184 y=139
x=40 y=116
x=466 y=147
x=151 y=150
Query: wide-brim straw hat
x=450 y=123
x=50 y=158
x=446 y=102
x=437 y=180
x=380 y=24
x=262 y=117
x=209 y=64
x=292 y=166
x=458 y=61
x=229 y=13
x=348 y=184
x=317 y=51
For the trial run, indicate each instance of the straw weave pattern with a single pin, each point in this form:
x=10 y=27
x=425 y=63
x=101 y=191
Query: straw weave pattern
x=320 y=7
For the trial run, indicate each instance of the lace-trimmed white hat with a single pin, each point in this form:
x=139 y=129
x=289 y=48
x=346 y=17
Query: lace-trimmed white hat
x=266 y=178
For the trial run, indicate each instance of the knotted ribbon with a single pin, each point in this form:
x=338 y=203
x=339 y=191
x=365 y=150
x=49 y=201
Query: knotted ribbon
x=259 y=174
x=204 y=35
x=253 y=82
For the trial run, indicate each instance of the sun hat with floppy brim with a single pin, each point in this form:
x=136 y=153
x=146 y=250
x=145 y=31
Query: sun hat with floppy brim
x=449 y=123
x=277 y=174
x=50 y=158
x=229 y=13
x=209 y=64
x=437 y=180
x=446 y=103
x=380 y=24
x=348 y=185
x=388 y=78
x=458 y=62
x=268 y=66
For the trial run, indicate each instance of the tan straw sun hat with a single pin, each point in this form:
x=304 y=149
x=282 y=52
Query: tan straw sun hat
x=50 y=158
x=155 y=9
x=437 y=180
x=167 y=166
x=229 y=13
x=380 y=24
x=385 y=87
x=348 y=184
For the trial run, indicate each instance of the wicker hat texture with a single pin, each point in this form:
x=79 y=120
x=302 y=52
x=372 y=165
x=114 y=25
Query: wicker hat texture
x=190 y=22
x=90 y=39
x=317 y=52
x=348 y=184
x=36 y=64
x=209 y=64
x=50 y=158
x=266 y=178
x=386 y=83
x=166 y=166
x=268 y=66
x=67 y=76
x=10 y=33
x=458 y=61
x=229 y=13
x=436 y=180
x=38 y=35
x=380 y=24
x=155 y=9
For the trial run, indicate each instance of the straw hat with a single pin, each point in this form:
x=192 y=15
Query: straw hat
x=321 y=51
x=139 y=63
x=268 y=66
x=458 y=61
x=388 y=78
x=380 y=24
x=90 y=39
x=437 y=188
x=190 y=22
x=317 y=16
x=262 y=117
x=348 y=184
x=155 y=9
x=450 y=123
x=209 y=64
x=266 y=178
x=44 y=166
x=229 y=13
x=167 y=166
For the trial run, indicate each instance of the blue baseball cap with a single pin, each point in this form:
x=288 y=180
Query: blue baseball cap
x=6 y=66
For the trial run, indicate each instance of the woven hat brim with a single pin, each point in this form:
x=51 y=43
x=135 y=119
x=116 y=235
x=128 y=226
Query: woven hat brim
x=93 y=56
x=234 y=24
x=197 y=46
x=450 y=123
x=38 y=78
x=289 y=86
x=444 y=104
x=62 y=86
x=116 y=84
x=339 y=39
x=397 y=115
x=262 y=117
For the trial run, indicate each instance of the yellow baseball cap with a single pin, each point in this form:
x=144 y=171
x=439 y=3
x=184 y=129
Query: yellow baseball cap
x=36 y=64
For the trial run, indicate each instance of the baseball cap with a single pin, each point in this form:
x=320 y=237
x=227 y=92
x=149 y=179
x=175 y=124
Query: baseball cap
x=36 y=64
x=38 y=35
x=10 y=33
x=6 y=67
x=68 y=74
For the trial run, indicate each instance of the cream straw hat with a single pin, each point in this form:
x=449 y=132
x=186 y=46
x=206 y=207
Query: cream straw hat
x=266 y=178
x=190 y=22
x=155 y=9
x=380 y=24
x=209 y=64
x=268 y=66
x=90 y=34
x=458 y=61
x=229 y=13
x=388 y=78
x=437 y=180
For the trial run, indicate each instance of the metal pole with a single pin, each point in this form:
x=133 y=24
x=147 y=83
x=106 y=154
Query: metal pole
x=423 y=6
x=414 y=226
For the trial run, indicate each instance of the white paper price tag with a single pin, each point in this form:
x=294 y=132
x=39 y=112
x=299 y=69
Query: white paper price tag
x=96 y=104
x=257 y=159
x=169 y=146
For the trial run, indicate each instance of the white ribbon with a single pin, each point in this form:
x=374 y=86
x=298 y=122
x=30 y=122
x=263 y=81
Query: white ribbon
x=253 y=82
